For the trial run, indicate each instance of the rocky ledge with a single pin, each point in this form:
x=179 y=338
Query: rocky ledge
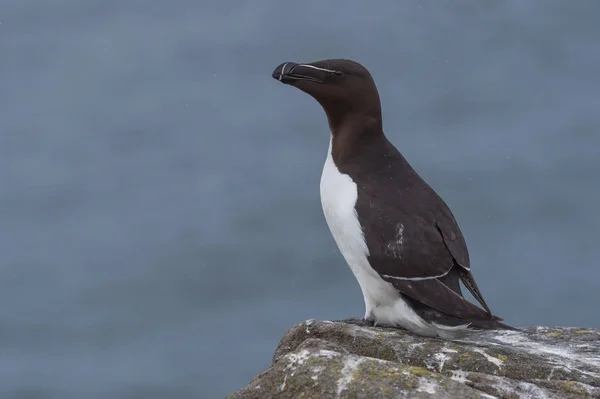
x=323 y=359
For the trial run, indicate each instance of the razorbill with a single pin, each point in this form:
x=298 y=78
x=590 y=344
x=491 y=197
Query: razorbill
x=397 y=235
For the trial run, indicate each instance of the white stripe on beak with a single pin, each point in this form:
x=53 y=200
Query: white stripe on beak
x=317 y=68
x=282 y=71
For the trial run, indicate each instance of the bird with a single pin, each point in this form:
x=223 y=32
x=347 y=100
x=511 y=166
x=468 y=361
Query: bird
x=399 y=238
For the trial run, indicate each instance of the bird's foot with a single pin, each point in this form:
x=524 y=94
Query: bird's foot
x=368 y=322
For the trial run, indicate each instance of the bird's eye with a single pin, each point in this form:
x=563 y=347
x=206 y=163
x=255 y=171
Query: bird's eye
x=338 y=73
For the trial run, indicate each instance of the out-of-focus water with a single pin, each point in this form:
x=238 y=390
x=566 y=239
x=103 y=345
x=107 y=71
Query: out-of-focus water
x=160 y=225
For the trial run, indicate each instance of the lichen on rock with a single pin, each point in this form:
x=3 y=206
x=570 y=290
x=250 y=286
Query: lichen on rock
x=323 y=359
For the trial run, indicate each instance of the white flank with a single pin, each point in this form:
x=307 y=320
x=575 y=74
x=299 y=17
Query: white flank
x=383 y=303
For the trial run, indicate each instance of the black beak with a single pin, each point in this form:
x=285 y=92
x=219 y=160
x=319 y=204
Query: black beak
x=289 y=72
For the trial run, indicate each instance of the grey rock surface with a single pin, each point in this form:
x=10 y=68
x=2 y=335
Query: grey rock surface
x=323 y=359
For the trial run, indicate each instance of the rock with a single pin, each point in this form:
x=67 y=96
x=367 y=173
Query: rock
x=323 y=359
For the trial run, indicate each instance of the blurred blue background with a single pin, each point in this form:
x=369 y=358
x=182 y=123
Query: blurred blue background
x=159 y=206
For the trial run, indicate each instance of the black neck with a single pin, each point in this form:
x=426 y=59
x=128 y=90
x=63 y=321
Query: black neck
x=352 y=134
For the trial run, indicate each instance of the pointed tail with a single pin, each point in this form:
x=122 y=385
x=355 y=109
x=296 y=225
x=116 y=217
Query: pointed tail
x=467 y=279
x=492 y=325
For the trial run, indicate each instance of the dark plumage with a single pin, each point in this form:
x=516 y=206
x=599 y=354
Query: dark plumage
x=413 y=240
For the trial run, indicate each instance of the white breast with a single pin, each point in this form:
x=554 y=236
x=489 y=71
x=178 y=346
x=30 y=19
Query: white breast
x=382 y=302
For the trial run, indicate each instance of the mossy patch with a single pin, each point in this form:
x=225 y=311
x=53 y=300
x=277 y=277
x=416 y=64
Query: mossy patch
x=375 y=372
x=582 y=331
x=387 y=391
x=567 y=388
x=573 y=387
x=419 y=371
x=316 y=361
x=384 y=352
x=555 y=335
x=406 y=377
x=502 y=357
